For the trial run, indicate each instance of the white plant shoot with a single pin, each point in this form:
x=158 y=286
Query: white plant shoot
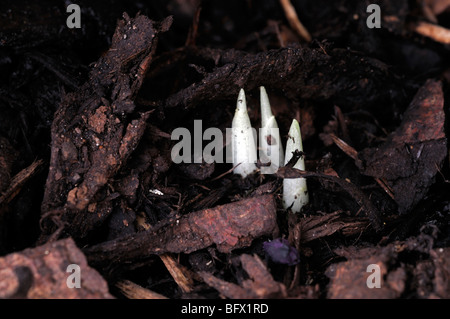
x=295 y=191
x=270 y=142
x=242 y=139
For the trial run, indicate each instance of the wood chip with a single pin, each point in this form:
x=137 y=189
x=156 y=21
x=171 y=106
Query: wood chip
x=433 y=31
x=229 y=227
x=315 y=227
x=179 y=273
x=133 y=291
x=414 y=153
x=19 y=180
x=93 y=133
x=294 y=21
x=441 y=282
x=41 y=273
x=260 y=284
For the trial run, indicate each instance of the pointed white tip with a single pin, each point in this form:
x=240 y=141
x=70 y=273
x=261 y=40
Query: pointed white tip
x=295 y=190
x=242 y=140
x=241 y=102
x=266 y=110
x=294 y=143
x=262 y=89
x=271 y=123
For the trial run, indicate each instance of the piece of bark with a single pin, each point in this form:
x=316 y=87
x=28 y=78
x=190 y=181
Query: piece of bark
x=228 y=226
x=133 y=291
x=259 y=285
x=18 y=181
x=261 y=281
x=409 y=160
x=348 y=280
x=226 y=288
x=314 y=227
x=179 y=273
x=40 y=272
x=92 y=132
x=441 y=282
x=428 y=278
x=300 y=73
x=423 y=275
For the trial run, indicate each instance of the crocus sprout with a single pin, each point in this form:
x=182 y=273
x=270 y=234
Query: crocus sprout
x=270 y=142
x=242 y=139
x=295 y=191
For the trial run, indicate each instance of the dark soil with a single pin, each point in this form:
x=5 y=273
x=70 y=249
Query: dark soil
x=86 y=117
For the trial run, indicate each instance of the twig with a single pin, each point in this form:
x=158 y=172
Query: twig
x=179 y=273
x=435 y=32
x=193 y=30
x=291 y=16
x=226 y=173
x=347 y=149
x=18 y=181
x=133 y=291
x=350 y=151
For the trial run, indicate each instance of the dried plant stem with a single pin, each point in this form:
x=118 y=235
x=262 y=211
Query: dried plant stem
x=435 y=32
x=291 y=16
x=134 y=291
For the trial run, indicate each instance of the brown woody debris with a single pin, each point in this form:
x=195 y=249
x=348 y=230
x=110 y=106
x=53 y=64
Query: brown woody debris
x=92 y=136
x=349 y=279
x=299 y=72
x=133 y=291
x=428 y=277
x=179 y=273
x=260 y=284
x=229 y=227
x=40 y=272
x=292 y=17
x=441 y=282
x=409 y=160
x=18 y=181
x=433 y=31
x=314 y=227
